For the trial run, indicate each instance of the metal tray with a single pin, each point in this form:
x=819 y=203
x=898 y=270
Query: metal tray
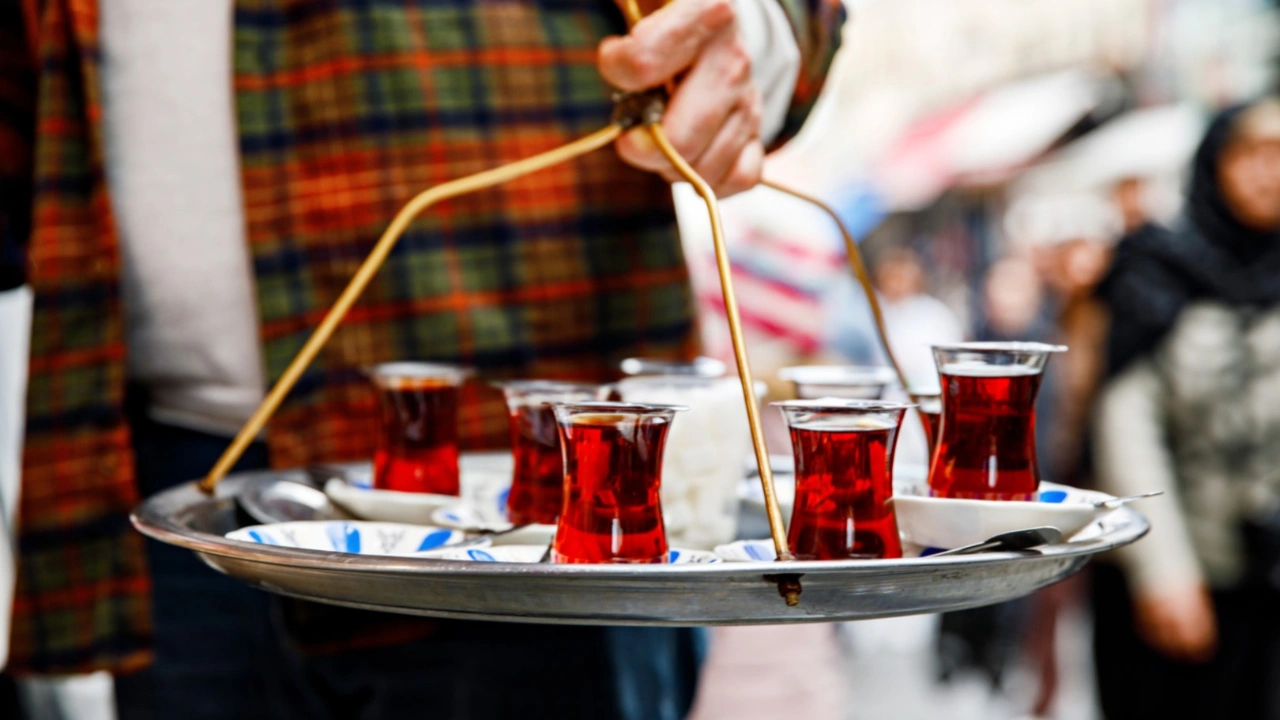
x=718 y=594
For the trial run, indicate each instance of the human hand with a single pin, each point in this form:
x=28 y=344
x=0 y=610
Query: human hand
x=1178 y=623
x=713 y=119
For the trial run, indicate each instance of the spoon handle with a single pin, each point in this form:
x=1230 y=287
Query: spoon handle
x=966 y=549
x=1117 y=502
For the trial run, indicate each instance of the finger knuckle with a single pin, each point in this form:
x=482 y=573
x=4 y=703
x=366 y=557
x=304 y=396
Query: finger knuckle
x=747 y=174
x=632 y=153
x=684 y=144
x=642 y=67
x=737 y=64
x=719 y=13
x=754 y=108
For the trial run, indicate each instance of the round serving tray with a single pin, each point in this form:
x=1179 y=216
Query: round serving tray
x=715 y=594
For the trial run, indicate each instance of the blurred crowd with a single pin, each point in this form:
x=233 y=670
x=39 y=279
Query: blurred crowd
x=1170 y=384
x=1161 y=280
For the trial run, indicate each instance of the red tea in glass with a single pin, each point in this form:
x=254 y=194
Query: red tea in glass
x=417 y=448
x=986 y=446
x=537 y=479
x=844 y=457
x=612 y=510
x=929 y=406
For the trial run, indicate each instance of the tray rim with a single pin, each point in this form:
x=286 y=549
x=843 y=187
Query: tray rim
x=158 y=518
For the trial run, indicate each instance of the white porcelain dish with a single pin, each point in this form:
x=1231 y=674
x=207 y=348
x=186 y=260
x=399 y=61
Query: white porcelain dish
x=484 y=479
x=747 y=551
x=351 y=536
x=762 y=551
x=462 y=516
x=533 y=553
x=944 y=523
x=784 y=483
x=489 y=517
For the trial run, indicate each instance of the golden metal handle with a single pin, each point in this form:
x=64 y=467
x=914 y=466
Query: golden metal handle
x=858 y=267
x=788 y=586
x=790 y=590
x=772 y=509
x=860 y=274
x=369 y=268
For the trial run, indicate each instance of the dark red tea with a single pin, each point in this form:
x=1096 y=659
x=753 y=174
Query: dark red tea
x=932 y=420
x=537 y=484
x=612 y=511
x=929 y=405
x=842 y=484
x=987 y=446
x=418 y=448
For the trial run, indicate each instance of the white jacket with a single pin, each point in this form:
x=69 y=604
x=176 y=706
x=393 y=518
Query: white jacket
x=15 y=339
x=1199 y=419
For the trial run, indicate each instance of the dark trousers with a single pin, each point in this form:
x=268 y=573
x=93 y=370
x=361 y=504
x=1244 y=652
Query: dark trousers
x=1136 y=682
x=224 y=650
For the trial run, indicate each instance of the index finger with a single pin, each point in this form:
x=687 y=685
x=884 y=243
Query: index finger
x=663 y=44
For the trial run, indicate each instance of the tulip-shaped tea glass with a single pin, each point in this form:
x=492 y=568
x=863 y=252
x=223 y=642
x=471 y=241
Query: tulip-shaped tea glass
x=537 y=479
x=612 y=511
x=842 y=381
x=705 y=452
x=986 y=446
x=703 y=367
x=929 y=405
x=844 y=458
x=417 y=448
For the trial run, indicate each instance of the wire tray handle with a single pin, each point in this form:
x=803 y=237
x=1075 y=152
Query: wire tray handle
x=632 y=110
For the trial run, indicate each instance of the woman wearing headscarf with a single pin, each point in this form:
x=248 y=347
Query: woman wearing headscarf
x=1186 y=619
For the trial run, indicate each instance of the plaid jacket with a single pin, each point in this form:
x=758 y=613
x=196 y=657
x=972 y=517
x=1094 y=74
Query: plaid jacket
x=346 y=109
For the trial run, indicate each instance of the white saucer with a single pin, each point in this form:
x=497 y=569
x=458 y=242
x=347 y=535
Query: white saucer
x=762 y=551
x=945 y=523
x=483 y=477
x=534 y=553
x=747 y=551
x=462 y=516
x=347 y=536
x=489 y=517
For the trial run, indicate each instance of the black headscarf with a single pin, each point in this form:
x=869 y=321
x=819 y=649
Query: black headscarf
x=1209 y=255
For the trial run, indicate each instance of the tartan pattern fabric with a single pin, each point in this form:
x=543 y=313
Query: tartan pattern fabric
x=82 y=591
x=817 y=25
x=346 y=109
x=561 y=273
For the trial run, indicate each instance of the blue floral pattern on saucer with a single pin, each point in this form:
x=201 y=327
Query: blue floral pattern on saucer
x=534 y=553
x=355 y=537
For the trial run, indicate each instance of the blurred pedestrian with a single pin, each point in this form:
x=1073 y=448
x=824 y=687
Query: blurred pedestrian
x=914 y=319
x=1187 y=626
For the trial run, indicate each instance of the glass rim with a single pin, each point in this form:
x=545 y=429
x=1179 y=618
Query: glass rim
x=834 y=404
x=700 y=367
x=605 y=406
x=680 y=380
x=416 y=370
x=996 y=346
x=548 y=385
x=838 y=374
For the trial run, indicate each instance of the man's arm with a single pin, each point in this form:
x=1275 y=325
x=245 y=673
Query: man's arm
x=775 y=61
x=715 y=116
x=816 y=26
